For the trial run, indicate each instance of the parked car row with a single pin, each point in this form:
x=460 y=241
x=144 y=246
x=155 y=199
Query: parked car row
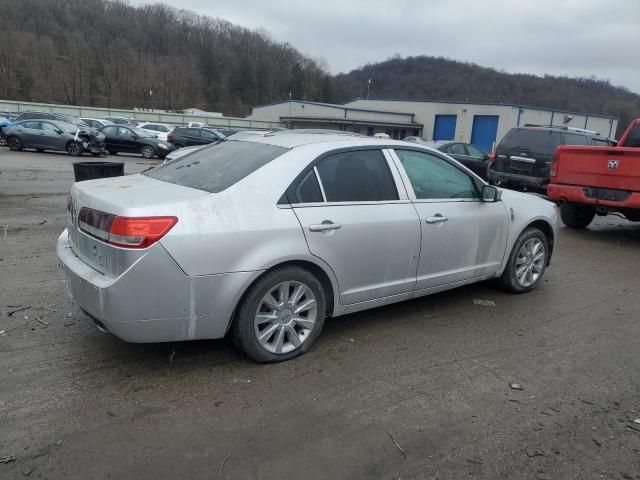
x=58 y=132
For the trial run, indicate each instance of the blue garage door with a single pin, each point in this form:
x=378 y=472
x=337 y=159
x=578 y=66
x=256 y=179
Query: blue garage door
x=444 y=127
x=485 y=128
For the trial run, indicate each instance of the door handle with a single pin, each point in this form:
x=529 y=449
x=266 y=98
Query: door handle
x=325 y=226
x=437 y=218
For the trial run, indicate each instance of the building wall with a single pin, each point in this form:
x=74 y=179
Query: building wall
x=294 y=108
x=509 y=116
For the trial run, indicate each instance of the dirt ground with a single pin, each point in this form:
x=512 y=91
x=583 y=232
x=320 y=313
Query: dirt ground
x=418 y=390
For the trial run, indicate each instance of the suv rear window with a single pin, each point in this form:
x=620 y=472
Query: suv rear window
x=216 y=168
x=538 y=141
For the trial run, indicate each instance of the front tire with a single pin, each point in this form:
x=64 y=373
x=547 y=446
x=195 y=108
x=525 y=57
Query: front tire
x=74 y=149
x=280 y=316
x=527 y=262
x=577 y=216
x=15 y=144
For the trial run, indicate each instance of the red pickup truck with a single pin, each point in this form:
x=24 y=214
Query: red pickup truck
x=590 y=181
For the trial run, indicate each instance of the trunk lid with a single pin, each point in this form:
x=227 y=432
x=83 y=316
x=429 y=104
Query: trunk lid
x=527 y=151
x=598 y=167
x=128 y=196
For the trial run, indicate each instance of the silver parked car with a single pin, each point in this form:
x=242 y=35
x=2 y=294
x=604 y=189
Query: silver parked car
x=54 y=135
x=264 y=237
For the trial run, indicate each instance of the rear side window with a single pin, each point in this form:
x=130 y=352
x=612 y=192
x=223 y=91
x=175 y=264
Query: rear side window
x=308 y=190
x=633 y=139
x=531 y=140
x=110 y=130
x=357 y=176
x=572 y=139
x=216 y=168
x=457 y=149
x=33 y=125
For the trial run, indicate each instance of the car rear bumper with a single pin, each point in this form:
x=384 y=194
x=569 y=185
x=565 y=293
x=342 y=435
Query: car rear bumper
x=503 y=178
x=153 y=301
x=577 y=194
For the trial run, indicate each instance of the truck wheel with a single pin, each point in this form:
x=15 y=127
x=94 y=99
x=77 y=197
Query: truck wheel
x=577 y=216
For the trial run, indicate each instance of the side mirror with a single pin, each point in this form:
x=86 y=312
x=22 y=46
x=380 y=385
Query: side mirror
x=59 y=132
x=491 y=193
x=134 y=137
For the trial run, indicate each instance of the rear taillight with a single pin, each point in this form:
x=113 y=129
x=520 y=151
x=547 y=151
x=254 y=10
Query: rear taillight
x=169 y=137
x=492 y=158
x=130 y=232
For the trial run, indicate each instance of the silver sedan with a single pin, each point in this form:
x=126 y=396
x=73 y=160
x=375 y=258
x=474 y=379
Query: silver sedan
x=262 y=238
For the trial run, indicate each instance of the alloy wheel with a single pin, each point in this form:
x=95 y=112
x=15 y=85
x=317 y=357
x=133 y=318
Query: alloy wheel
x=147 y=152
x=285 y=317
x=530 y=262
x=74 y=149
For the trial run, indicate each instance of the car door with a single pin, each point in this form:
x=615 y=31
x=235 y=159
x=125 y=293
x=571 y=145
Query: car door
x=357 y=221
x=110 y=137
x=29 y=133
x=127 y=140
x=51 y=136
x=462 y=237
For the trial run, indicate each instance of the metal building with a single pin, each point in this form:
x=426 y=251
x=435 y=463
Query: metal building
x=482 y=124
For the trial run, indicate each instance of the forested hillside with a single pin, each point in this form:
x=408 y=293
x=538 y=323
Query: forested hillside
x=440 y=78
x=107 y=53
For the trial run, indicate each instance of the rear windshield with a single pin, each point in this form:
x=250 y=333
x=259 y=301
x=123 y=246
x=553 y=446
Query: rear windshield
x=217 y=167
x=537 y=141
x=633 y=139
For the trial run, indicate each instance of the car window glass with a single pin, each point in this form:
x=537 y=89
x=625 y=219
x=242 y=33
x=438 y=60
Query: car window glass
x=571 y=139
x=162 y=128
x=432 y=177
x=531 y=140
x=633 y=139
x=206 y=134
x=216 y=168
x=357 y=176
x=49 y=127
x=308 y=190
x=457 y=149
x=110 y=130
x=33 y=125
x=124 y=132
x=475 y=151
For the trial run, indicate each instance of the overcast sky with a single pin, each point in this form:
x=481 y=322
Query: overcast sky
x=559 y=37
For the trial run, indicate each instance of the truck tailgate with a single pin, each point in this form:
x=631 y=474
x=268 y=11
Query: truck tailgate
x=613 y=168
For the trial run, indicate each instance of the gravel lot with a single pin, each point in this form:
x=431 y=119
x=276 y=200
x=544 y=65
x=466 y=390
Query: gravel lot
x=419 y=389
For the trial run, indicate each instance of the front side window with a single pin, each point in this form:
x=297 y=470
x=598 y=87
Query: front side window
x=123 y=132
x=434 y=178
x=357 y=176
x=32 y=125
x=207 y=135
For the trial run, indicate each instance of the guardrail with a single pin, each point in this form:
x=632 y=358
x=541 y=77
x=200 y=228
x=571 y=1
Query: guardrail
x=151 y=116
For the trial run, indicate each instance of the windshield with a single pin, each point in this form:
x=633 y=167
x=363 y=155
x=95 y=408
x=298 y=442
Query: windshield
x=531 y=140
x=216 y=168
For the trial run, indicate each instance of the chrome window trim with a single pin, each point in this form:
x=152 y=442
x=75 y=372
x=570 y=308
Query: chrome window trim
x=324 y=195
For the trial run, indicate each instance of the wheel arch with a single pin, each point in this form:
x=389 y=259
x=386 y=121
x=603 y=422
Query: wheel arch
x=327 y=280
x=545 y=227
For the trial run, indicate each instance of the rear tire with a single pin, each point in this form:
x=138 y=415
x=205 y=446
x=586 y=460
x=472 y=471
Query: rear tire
x=527 y=262
x=147 y=152
x=15 y=144
x=577 y=216
x=280 y=316
x=74 y=149
x=112 y=152
x=95 y=154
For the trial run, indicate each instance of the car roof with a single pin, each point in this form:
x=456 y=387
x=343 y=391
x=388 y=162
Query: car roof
x=332 y=139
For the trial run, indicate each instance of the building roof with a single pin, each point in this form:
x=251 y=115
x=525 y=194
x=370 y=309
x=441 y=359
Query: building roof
x=349 y=121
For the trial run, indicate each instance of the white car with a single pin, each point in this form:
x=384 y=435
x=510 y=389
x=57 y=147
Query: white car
x=160 y=130
x=196 y=125
x=96 y=122
x=266 y=236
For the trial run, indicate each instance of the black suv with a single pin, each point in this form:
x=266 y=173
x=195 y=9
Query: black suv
x=522 y=157
x=190 y=137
